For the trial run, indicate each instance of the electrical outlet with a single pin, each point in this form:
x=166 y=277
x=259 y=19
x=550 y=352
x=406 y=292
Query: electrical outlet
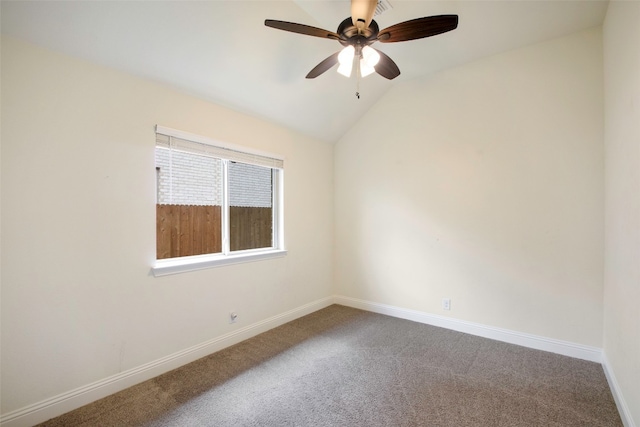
x=233 y=317
x=446 y=303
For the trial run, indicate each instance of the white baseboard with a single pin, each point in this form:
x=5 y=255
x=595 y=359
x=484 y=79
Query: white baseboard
x=65 y=402
x=565 y=348
x=623 y=408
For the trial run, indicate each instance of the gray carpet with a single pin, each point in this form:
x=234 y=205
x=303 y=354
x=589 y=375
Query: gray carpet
x=346 y=367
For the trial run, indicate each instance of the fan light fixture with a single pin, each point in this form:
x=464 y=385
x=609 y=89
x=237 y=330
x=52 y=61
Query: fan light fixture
x=358 y=31
x=369 y=57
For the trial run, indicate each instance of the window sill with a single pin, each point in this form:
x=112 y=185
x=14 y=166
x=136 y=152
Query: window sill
x=165 y=267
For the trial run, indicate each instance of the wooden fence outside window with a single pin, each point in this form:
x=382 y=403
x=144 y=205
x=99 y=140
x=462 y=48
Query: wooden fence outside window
x=185 y=230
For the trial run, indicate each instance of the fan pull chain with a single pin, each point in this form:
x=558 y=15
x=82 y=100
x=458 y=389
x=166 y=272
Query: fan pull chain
x=358 y=79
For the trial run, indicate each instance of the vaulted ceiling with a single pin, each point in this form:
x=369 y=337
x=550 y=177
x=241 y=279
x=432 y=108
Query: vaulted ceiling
x=222 y=52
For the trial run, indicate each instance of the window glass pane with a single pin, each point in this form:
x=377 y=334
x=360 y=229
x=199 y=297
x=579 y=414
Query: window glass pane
x=189 y=199
x=250 y=210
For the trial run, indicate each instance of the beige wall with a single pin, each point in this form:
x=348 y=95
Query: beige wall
x=78 y=226
x=483 y=184
x=621 y=34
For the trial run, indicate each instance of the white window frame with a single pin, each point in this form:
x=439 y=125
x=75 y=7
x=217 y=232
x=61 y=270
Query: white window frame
x=163 y=267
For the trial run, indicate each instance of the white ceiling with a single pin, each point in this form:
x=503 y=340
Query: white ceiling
x=222 y=52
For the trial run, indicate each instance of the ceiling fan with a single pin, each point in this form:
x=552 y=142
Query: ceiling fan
x=359 y=31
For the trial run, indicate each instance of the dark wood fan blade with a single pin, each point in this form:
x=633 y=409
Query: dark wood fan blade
x=301 y=29
x=386 y=67
x=418 y=28
x=323 y=66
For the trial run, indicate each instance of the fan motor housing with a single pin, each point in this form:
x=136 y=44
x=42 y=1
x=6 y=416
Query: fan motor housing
x=351 y=36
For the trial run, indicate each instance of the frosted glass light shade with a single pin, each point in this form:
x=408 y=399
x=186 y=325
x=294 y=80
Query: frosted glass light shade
x=365 y=69
x=345 y=58
x=370 y=56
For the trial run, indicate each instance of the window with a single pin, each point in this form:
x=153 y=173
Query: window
x=216 y=203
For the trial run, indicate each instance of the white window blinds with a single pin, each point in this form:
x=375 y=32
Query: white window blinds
x=190 y=143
